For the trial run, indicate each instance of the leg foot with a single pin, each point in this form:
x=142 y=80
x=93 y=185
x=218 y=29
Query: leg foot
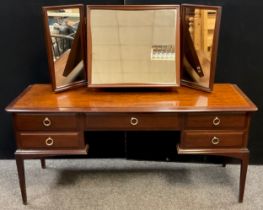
x=243 y=173
x=21 y=176
x=224 y=162
x=43 y=163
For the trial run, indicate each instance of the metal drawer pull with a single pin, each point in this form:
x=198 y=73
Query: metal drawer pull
x=216 y=121
x=49 y=141
x=134 y=121
x=215 y=140
x=46 y=122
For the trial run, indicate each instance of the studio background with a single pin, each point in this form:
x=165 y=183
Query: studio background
x=24 y=61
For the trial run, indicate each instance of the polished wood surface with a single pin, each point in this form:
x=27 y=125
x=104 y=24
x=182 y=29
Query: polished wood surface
x=40 y=98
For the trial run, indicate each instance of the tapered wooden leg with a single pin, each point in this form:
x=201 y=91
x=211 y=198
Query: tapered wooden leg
x=21 y=176
x=43 y=163
x=243 y=174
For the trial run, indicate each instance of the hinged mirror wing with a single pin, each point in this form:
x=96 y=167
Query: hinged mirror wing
x=133 y=46
x=64 y=43
x=200 y=31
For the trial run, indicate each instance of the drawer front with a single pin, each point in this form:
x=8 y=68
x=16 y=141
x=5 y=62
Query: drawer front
x=215 y=121
x=48 y=122
x=52 y=140
x=212 y=139
x=133 y=121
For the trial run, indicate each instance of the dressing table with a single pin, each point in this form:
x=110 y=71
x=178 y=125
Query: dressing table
x=113 y=48
x=48 y=124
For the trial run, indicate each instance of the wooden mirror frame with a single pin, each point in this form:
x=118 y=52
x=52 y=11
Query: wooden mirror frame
x=48 y=42
x=132 y=7
x=214 y=46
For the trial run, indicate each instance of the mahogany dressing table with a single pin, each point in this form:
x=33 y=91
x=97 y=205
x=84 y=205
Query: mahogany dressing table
x=48 y=124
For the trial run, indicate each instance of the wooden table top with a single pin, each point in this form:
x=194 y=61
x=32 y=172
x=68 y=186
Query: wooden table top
x=40 y=98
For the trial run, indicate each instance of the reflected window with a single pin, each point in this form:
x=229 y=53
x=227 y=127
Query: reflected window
x=64 y=42
x=199 y=44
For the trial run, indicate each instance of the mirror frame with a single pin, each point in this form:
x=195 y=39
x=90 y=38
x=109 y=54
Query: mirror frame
x=214 y=47
x=51 y=64
x=132 y=7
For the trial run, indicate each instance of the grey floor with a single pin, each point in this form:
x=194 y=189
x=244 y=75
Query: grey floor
x=129 y=185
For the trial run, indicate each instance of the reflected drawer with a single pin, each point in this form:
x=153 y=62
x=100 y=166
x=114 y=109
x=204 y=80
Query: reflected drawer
x=41 y=140
x=215 y=120
x=42 y=122
x=133 y=121
x=212 y=139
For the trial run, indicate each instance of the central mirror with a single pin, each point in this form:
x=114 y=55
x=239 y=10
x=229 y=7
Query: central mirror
x=133 y=46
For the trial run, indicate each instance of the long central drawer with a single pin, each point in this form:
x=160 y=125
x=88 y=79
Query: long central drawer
x=133 y=121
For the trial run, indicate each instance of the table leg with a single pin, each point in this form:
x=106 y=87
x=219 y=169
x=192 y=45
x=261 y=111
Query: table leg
x=21 y=176
x=43 y=163
x=243 y=173
x=224 y=162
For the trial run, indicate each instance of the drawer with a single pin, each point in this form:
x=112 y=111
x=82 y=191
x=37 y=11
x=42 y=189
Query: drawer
x=215 y=120
x=52 y=140
x=48 y=122
x=212 y=139
x=133 y=121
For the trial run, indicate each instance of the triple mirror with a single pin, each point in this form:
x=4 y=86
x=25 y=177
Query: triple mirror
x=132 y=45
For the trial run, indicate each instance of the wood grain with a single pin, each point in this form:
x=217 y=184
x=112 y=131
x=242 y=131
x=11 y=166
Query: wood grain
x=40 y=98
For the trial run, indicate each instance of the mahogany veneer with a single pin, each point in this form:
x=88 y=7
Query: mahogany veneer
x=133 y=121
x=48 y=124
x=203 y=139
x=216 y=120
x=30 y=140
x=36 y=121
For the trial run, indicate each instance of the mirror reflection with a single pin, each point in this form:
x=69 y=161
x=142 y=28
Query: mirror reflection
x=65 y=35
x=198 y=34
x=133 y=46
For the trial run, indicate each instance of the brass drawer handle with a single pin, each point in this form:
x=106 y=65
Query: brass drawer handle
x=216 y=121
x=215 y=140
x=47 y=122
x=49 y=141
x=134 y=121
